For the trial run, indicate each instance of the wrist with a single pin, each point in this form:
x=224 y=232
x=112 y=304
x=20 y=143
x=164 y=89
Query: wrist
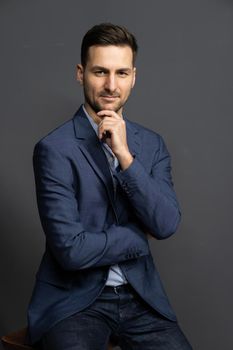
x=125 y=160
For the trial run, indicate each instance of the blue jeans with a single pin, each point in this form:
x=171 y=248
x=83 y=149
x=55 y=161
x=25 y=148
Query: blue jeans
x=121 y=315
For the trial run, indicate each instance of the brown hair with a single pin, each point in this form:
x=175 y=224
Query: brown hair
x=105 y=34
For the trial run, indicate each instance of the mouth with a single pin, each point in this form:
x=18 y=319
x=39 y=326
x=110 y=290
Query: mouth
x=109 y=97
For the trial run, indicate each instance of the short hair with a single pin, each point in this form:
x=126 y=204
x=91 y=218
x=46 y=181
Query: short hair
x=105 y=34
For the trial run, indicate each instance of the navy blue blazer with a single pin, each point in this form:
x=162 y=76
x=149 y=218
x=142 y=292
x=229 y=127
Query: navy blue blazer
x=89 y=226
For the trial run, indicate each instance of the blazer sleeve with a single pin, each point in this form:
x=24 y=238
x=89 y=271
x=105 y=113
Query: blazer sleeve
x=152 y=194
x=72 y=246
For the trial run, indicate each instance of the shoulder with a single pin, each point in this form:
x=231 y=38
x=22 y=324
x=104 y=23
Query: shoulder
x=145 y=133
x=152 y=143
x=58 y=138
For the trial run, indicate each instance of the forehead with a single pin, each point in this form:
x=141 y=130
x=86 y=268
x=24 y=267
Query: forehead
x=110 y=56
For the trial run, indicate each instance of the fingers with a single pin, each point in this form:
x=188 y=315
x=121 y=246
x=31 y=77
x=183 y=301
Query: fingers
x=106 y=129
x=111 y=125
x=106 y=126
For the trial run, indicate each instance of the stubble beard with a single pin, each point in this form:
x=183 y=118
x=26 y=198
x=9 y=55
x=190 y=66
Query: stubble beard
x=97 y=107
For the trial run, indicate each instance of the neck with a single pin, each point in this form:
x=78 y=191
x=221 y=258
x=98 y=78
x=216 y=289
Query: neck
x=92 y=113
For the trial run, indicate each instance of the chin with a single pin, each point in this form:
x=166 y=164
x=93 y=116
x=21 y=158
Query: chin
x=106 y=106
x=113 y=108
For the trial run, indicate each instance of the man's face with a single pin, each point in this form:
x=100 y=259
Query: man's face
x=107 y=78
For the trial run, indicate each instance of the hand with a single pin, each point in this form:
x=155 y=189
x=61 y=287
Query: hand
x=112 y=130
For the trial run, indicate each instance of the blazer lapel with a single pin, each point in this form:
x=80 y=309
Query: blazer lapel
x=133 y=138
x=91 y=148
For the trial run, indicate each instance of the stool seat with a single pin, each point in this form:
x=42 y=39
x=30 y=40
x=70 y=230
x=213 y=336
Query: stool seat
x=15 y=341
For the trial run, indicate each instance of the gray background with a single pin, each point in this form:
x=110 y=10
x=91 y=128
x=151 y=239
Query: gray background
x=183 y=91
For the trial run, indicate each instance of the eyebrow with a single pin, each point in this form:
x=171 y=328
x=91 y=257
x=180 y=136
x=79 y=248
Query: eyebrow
x=124 y=69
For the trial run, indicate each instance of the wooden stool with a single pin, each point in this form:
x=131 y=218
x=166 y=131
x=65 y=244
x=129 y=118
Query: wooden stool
x=15 y=341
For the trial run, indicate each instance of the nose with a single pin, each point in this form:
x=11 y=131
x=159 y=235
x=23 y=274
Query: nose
x=110 y=83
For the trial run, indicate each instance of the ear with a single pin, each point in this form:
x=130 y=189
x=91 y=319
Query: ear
x=134 y=77
x=79 y=73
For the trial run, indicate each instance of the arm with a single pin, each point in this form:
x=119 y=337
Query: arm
x=72 y=246
x=152 y=194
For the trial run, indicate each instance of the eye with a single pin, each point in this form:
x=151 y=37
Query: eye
x=122 y=73
x=100 y=73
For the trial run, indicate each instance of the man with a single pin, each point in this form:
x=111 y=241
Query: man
x=103 y=188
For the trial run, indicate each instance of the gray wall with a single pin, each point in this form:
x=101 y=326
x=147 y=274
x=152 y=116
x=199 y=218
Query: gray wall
x=183 y=91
